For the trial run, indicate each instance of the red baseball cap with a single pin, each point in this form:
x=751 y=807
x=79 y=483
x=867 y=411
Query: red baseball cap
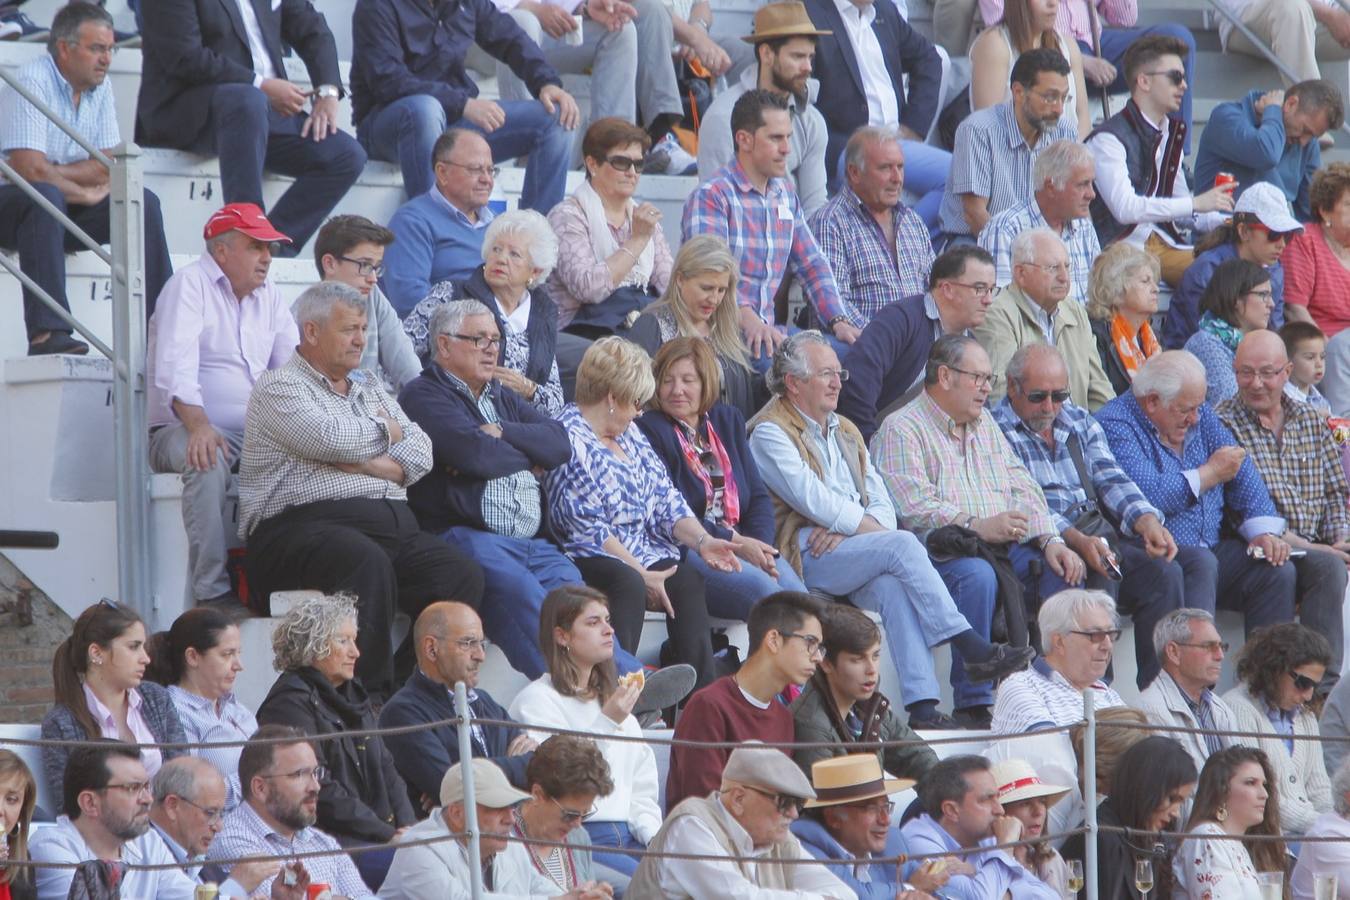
x=245 y=217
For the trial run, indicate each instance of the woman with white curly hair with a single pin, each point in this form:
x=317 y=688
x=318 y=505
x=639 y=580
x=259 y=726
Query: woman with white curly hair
x=362 y=799
x=519 y=252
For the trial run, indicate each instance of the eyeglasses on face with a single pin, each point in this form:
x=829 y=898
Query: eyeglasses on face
x=814 y=647
x=1266 y=296
x=1271 y=236
x=622 y=163
x=470 y=645
x=479 y=341
x=130 y=788
x=786 y=803
x=1039 y=396
x=475 y=171
x=364 y=267
x=1052 y=268
x=981 y=379
x=318 y=773
x=1097 y=637
x=1303 y=682
x=979 y=288
x=571 y=815
x=212 y=814
x=1176 y=76
x=831 y=374
x=1247 y=373
x=1207 y=646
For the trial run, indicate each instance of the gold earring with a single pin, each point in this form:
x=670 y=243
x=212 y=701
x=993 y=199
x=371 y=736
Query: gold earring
x=1221 y=814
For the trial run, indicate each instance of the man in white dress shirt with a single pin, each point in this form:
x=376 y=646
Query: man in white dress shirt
x=762 y=793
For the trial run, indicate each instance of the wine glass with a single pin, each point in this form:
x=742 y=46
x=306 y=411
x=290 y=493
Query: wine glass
x=1075 y=875
x=1270 y=884
x=1143 y=876
x=1324 y=887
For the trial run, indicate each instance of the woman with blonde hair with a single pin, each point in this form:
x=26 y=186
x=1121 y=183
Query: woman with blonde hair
x=700 y=301
x=620 y=518
x=18 y=797
x=1122 y=300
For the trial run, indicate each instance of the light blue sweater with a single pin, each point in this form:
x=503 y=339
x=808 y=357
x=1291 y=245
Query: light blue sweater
x=433 y=242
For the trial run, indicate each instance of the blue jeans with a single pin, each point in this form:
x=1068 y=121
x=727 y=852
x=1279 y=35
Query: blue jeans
x=731 y=594
x=1115 y=41
x=406 y=130
x=249 y=136
x=517 y=573
x=613 y=834
x=926 y=171
x=1037 y=588
x=888 y=572
x=974 y=589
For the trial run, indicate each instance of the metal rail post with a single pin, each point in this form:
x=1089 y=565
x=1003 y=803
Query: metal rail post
x=1090 y=797
x=127 y=194
x=470 y=803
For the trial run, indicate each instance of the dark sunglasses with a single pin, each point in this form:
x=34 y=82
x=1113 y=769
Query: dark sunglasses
x=1303 y=682
x=1272 y=236
x=1176 y=76
x=624 y=163
x=785 y=803
x=1039 y=396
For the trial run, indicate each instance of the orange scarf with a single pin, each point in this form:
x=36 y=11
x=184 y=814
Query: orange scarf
x=1133 y=353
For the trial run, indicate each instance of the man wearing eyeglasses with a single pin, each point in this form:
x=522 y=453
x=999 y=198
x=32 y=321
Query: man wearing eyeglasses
x=1192 y=654
x=350 y=249
x=1066 y=452
x=220 y=323
x=762 y=793
x=1032 y=310
x=1293 y=449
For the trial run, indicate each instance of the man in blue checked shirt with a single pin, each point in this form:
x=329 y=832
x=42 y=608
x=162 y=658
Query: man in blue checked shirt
x=1188 y=465
x=751 y=205
x=1049 y=433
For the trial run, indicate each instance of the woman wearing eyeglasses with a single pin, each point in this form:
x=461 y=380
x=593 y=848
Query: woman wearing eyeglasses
x=1317 y=261
x=519 y=251
x=98 y=675
x=703 y=444
x=581 y=692
x=614 y=258
x=362 y=799
x=1122 y=299
x=1237 y=301
x=198 y=660
x=1280 y=669
x=1259 y=231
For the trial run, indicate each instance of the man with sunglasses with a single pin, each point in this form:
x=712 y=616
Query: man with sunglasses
x=762 y=793
x=1273 y=137
x=1142 y=195
x=350 y=249
x=219 y=324
x=1066 y=452
x=1300 y=463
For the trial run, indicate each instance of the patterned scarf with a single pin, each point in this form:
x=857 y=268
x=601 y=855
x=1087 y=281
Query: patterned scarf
x=731 y=505
x=1133 y=349
x=1228 y=335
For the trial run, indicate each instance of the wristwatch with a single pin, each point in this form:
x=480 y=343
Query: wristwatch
x=1051 y=539
x=326 y=91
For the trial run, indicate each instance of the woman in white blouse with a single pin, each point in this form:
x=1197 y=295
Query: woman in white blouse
x=1236 y=796
x=581 y=692
x=198 y=660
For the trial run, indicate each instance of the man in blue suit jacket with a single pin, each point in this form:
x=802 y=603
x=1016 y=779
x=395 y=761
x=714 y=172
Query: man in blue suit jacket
x=860 y=65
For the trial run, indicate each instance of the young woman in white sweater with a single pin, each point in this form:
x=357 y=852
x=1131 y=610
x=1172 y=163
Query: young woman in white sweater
x=1279 y=670
x=581 y=691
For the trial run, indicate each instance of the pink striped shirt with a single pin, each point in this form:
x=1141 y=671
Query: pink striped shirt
x=151 y=758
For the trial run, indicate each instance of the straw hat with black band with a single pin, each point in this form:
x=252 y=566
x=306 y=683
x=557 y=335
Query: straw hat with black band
x=782 y=20
x=851 y=779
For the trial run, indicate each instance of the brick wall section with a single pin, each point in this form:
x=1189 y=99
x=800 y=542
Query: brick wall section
x=26 y=652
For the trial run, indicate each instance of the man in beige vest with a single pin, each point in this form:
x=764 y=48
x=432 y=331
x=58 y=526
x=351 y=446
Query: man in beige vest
x=762 y=793
x=837 y=527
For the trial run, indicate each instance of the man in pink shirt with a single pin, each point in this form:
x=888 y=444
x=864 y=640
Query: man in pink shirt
x=218 y=325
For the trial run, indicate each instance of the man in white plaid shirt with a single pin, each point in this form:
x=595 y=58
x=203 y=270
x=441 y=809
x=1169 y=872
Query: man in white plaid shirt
x=323 y=478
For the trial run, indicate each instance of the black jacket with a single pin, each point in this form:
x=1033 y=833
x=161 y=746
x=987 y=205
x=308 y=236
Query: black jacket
x=190 y=46
x=363 y=800
x=425 y=756
x=1115 y=369
x=1116 y=855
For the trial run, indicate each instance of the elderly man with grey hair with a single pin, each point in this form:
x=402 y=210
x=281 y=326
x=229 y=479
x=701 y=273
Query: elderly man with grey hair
x=837 y=528
x=188 y=813
x=328 y=457
x=484 y=496
x=1173 y=446
x=1191 y=652
x=220 y=323
x=1032 y=311
x=1063 y=176
x=1323 y=857
x=878 y=248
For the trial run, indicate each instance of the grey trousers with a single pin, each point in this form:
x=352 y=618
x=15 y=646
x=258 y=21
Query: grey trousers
x=204 y=505
x=610 y=56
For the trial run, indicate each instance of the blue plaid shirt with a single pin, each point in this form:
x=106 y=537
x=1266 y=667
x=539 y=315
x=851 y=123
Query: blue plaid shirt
x=867 y=272
x=22 y=127
x=1054 y=471
x=1079 y=237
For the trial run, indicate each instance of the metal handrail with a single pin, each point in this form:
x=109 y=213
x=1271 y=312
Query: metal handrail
x=55 y=117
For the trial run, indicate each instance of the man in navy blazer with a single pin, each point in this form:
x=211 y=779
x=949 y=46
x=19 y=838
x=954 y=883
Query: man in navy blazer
x=860 y=65
x=448 y=638
x=214 y=81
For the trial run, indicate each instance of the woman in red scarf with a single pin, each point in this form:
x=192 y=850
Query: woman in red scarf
x=702 y=442
x=18 y=796
x=1122 y=299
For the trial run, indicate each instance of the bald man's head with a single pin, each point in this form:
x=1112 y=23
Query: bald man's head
x=1262 y=368
x=190 y=799
x=448 y=636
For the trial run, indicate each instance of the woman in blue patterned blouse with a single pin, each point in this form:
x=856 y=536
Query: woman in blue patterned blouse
x=1238 y=300
x=620 y=518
